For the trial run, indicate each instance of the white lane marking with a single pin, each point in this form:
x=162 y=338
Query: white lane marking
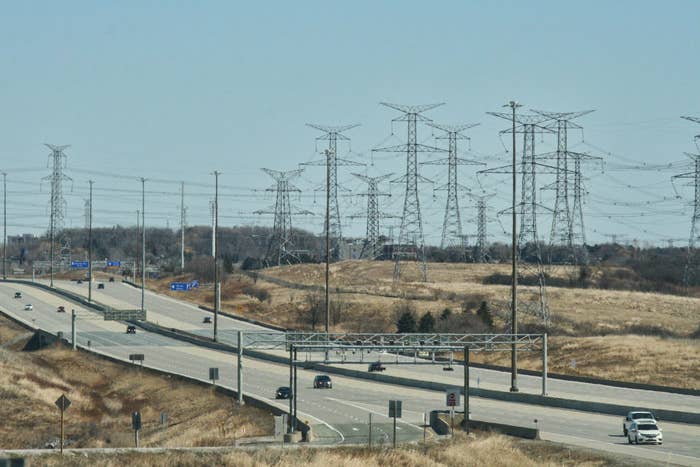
x=371 y=411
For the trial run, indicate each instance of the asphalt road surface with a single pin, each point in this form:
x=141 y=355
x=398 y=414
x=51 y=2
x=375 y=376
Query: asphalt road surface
x=339 y=415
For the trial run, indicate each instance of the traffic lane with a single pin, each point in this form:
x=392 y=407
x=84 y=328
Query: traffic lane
x=499 y=380
x=489 y=379
x=162 y=309
x=679 y=439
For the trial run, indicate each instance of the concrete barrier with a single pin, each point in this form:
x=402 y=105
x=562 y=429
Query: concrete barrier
x=441 y=426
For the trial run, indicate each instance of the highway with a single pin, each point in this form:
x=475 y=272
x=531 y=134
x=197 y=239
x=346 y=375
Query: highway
x=169 y=312
x=338 y=415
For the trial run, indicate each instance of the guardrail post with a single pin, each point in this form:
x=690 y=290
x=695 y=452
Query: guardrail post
x=72 y=328
x=240 y=368
x=544 y=364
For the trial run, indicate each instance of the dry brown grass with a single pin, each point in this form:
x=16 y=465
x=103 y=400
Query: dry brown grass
x=104 y=394
x=599 y=325
x=670 y=362
x=480 y=449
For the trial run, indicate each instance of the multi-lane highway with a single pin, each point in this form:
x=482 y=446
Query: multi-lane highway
x=341 y=414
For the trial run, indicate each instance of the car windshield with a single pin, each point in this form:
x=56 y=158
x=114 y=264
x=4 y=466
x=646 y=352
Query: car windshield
x=642 y=415
x=647 y=426
x=323 y=378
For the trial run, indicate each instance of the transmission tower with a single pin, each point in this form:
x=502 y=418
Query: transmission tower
x=332 y=161
x=565 y=217
x=372 y=248
x=57 y=162
x=280 y=249
x=692 y=260
x=528 y=207
x=452 y=223
x=481 y=223
x=411 y=243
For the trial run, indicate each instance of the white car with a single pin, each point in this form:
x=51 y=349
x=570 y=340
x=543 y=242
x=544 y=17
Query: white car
x=644 y=431
x=633 y=416
x=28 y=306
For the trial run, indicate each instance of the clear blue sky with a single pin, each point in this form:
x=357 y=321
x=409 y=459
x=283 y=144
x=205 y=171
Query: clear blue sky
x=175 y=90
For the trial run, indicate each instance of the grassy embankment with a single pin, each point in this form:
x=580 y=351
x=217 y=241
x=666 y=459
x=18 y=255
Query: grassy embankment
x=103 y=395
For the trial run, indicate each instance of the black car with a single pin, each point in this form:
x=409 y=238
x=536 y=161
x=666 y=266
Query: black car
x=18 y=294
x=376 y=366
x=207 y=319
x=111 y=279
x=131 y=329
x=283 y=392
x=100 y=285
x=322 y=381
x=61 y=309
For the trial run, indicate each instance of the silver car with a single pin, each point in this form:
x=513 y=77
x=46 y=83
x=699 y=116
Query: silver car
x=644 y=432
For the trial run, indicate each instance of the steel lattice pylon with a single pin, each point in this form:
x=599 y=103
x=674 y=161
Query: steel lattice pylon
x=481 y=234
x=57 y=161
x=411 y=243
x=372 y=248
x=333 y=134
x=692 y=260
x=529 y=245
x=567 y=218
x=280 y=248
x=452 y=223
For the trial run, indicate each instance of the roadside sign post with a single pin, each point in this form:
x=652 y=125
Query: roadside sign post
x=213 y=375
x=72 y=328
x=239 y=371
x=466 y=389
x=425 y=425
x=137 y=357
x=136 y=425
x=394 y=412
x=544 y=364
x=370 y=430
x=62 y=403
x=164 y=424
x=452 y=401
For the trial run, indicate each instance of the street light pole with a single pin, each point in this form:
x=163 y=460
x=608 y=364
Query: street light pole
x=328 y=153
x=217 y=279
x=90 y=245
x=4 y=223
x=514 y=287
x=143 y=243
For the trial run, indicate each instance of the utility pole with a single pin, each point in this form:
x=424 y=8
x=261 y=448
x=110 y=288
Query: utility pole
x=217 y=280
x=90 y=245
x=328 y=243
x=514 y=286
x=182 y=226
x=4 y=224
x=143 y=243
x=411 y=243
x=137 y=249
x=452 y=223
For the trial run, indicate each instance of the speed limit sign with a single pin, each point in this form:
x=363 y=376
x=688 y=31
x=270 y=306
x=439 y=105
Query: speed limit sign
x=452 y=397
